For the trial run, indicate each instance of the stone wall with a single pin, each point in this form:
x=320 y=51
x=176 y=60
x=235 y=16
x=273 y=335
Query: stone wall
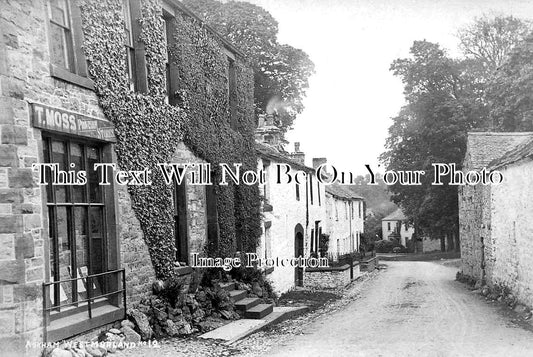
x=24 y=248
x=472 y=202
x=369 y=265
x=134 y=255
x=475 y=218
x=511 y=247
x=430 y=245
x=196 y=204
x=25 y=77
x=330 y=278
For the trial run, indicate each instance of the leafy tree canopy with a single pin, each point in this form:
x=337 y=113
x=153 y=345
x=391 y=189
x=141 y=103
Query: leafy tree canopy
x=281 y=71
x=448 y=97
x=510 y=92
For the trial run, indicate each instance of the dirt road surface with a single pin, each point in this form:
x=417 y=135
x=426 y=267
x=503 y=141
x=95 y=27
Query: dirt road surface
x=412 y=309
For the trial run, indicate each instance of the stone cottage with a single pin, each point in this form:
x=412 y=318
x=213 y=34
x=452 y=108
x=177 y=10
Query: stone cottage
x=345 y=214
x=476 y=202
x=294 y=212
x=74 y=257
x=508 y=253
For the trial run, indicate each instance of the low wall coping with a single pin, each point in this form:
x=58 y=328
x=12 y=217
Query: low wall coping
x=324 y=269
x=183 y=270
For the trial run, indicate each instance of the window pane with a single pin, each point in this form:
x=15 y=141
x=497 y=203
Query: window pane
x=48 y=177
x=95 y=190
x=59 y=12
x=80 y=230
x=58 y=46
x=127 y=38
x=130 y=67
x=51 y=223
x=59 y=157
x=65 y=254
x=76 y=158
x=127 y=14
x=96 y=254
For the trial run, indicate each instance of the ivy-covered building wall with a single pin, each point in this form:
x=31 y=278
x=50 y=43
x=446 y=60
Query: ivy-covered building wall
x=203 y=114
x=214 y=91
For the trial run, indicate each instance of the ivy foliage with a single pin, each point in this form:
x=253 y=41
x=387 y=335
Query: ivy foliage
x=217 y=131
x=281 y=72
x=148 y=129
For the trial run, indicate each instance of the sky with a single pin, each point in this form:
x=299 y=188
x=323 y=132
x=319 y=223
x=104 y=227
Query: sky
x=353 y=95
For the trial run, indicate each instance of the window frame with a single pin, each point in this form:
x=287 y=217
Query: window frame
x=129 y=44
x=106 y=203
x=77 y=74
x=311 y=188
x=231 y=88
x=181 y=222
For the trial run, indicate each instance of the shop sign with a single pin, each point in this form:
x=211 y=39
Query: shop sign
x=64 y=121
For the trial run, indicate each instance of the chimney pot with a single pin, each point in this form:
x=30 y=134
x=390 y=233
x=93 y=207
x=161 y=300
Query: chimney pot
x=261 y=120
x=269 y=119
x=297 y=146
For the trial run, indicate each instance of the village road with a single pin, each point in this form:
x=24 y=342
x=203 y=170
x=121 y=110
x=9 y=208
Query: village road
x=412 y=309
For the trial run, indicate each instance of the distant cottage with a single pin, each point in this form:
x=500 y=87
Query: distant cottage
x=396 y=227
x=345 y=213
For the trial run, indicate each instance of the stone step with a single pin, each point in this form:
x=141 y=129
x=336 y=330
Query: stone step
x=237 y=295
x=247 y=303
x=259 y=311
x=228 y=286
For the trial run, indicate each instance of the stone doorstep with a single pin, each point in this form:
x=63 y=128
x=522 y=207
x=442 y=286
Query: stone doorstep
x=247 y=303
x=239 y=329
x=251 y=307
x=237 y=295
x=227 y=286
x=259 y=311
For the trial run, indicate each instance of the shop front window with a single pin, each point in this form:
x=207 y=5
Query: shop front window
x=76 y=216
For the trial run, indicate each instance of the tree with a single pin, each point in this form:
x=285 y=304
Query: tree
x=281 y=71
x=510 y=93
x=373 y=228
x=431 y=128
x=490 y=40
x=448 y=97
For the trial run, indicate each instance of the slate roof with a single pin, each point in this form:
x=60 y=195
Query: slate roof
x=273 y=153
x=342 y=192
x=519 y=152
x=485 y=147
x=397 y=215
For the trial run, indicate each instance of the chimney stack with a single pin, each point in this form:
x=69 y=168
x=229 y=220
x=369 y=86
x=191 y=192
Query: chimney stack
x=266 y=132
x=297 y=155
x=317 y=161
